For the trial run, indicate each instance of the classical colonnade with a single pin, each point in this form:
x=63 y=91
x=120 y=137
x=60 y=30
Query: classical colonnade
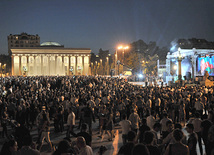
x=51 y=64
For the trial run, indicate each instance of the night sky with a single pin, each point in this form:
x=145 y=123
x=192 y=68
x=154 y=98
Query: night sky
x=105 y=24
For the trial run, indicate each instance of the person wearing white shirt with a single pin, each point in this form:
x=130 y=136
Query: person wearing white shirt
x=199 y=106
x=164 y=126
x=126 y=127
x=149 y=106
x=197 y=129
x=83 y=149
x=151 y=120
x=70 y=123
x=135 y=120
x=157 y=105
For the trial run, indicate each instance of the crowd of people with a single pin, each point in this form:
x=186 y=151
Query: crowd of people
x=142 y=113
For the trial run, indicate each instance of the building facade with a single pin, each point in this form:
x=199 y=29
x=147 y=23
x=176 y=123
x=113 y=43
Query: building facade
x=22 y=40
x=50 y=59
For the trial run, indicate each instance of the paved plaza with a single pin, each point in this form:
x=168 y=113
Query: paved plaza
x=112 y=146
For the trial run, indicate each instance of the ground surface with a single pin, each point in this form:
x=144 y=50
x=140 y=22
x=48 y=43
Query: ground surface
x=112 y=146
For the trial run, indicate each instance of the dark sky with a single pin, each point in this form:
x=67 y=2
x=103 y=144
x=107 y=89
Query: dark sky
x=106 y=23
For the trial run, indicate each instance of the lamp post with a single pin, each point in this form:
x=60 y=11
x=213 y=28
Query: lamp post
x=101 y=66
x=4 y=69
x=92 y=68
x=123 y=57
x=179 y=65
x=116 y=62
x=96 y=67
x=107 y=65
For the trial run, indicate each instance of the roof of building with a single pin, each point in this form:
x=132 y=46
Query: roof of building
x=50 y=43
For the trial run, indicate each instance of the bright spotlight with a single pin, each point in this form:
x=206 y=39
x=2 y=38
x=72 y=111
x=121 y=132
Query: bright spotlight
x=140 y=75
x=173 y=48
x=120 y=47
x=127 y=47
x=175 y=67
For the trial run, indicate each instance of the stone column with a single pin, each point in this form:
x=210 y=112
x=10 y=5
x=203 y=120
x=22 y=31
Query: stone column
x=49 y=67
x=56 y=65
x=34 y=66
x=89 y=71
x=63 y=68
x=83 y=70
x=168 y=66
x=41 y=64
x=20 y=63
x=12 y=64
x=27 y=65
x=194 y=73
x=76 y=65
x=69 y=64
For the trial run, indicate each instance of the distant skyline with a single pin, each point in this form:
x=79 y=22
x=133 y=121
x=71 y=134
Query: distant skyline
x=106 y=24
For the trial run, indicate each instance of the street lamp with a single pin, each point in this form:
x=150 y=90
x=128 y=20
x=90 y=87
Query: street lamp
x=96 y=67
x=123 y=48
x=5 y=69
x=92 y=68
x=107 y=65
x=115 y=62
x=179 y=65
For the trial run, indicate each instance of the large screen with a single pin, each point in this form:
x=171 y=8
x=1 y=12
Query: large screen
x=205 y=64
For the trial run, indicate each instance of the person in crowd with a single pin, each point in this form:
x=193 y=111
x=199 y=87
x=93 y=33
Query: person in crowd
x=82 y=148
x=102 y=150
x=170 y=140
x=148 y=106
x=178 y=147
x=156 y=128
x=143 y=128
x=20 y=131
x=205 y=126
x=64 y=147
x=109 y=126
x=126 y=127
x=157 y=106
x=192 y=140
x=88 y=116
x=4 y=120
x=83 y=133
x=148 y=139
x=121 y=109
x=140 y=149
x=197 y=129
x=135 y=120
x=210 y=144
x=176 y=109
x=102 y=119
x=70 y=123
x=26 y=148
x=211 y=116
x=199 y=106
x=140 y=104
x=126 y=149
x=165 y=127
x=39 y=122
x=151 y=119
x=45 y=131
x=9 y=148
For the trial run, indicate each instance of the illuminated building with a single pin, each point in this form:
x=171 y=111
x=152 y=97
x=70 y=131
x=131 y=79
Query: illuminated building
x=50 y=59
x=194 y=63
